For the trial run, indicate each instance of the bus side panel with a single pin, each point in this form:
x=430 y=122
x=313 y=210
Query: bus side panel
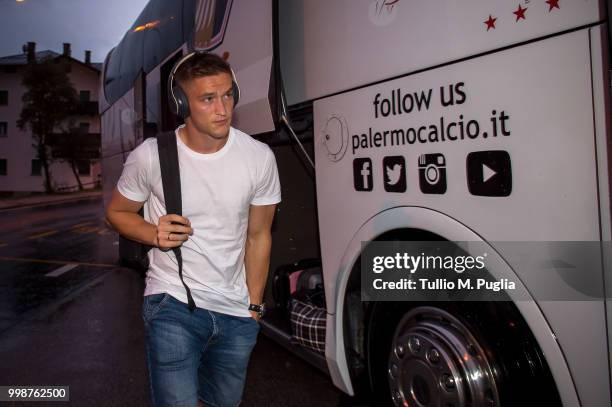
x=545 y=149
x=603 y=121
x=248 y=44
x=119 y=129
x=344 y=44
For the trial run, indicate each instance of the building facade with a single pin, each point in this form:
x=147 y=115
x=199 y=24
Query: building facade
x=20 y=169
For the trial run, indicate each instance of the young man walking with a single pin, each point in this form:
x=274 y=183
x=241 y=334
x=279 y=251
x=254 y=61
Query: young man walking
x=230 y=189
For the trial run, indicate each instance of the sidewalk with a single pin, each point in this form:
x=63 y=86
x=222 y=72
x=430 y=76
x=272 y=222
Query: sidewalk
x=38 y=200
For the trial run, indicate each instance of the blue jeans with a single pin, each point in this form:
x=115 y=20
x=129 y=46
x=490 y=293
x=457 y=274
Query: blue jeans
x=200 y=355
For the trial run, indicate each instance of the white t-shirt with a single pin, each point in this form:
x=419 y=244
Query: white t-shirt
x=217 y=191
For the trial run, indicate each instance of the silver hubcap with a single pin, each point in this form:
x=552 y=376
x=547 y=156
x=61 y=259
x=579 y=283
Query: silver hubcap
x=435 y=361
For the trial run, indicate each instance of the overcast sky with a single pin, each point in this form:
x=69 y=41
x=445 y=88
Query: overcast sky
x=97 y=25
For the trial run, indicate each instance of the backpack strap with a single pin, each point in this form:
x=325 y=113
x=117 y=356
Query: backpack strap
x=171 y=182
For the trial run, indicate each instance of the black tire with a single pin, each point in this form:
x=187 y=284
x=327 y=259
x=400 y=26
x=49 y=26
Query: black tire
x=455 y=355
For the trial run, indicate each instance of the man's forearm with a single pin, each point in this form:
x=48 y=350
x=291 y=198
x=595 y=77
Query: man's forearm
x=133 y=226
x=257 y=262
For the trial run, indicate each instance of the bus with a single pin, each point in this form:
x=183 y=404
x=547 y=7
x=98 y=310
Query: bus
x=477 y=129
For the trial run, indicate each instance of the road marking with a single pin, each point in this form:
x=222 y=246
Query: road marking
x=24 y=259
x=43 y=234
x=80 y=224
x=58 y=272
x=44 y=312
x=85 y=229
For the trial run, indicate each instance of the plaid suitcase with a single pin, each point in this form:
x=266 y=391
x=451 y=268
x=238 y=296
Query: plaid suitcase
x=308 y=325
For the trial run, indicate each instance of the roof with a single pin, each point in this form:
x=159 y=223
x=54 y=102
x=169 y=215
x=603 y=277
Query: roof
x=22 y=59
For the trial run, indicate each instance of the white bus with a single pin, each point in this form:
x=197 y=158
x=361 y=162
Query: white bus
x=484 y=124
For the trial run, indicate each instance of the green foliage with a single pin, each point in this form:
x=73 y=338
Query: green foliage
x=49 y=100
x=74 y=144
x=50 y=97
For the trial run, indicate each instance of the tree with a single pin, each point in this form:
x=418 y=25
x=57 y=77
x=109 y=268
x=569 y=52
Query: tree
x=49 y=100
x=73 y=144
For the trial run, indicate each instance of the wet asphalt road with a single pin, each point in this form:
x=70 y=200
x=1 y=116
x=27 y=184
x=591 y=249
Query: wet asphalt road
x=70 y=316
x=38 y=241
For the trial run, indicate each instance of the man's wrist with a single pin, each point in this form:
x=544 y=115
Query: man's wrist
x=155 y=240
x=259 y=309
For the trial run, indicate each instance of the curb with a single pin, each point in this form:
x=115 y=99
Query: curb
x=49 y=203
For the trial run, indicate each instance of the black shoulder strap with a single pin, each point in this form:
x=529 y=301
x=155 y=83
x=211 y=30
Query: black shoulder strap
x=171 y=182
x=170 y=172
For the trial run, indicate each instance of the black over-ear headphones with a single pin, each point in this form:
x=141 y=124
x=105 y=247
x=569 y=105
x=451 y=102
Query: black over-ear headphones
x=178 y=99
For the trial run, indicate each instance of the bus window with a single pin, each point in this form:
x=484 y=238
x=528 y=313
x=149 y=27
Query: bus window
x=112 y=72
x=156 y=34
x=131 y=59
x=166 y=30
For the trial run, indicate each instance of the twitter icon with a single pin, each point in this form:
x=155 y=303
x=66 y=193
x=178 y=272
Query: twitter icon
x=394 y=168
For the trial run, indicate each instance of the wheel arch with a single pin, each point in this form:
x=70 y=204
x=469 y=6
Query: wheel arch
x=403 y=220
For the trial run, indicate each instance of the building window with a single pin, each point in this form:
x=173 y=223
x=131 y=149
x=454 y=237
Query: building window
x=84 y=96
x=3 y=129
x=2 y=166
x=3 y=97
x=83 y=167
x=36 y=167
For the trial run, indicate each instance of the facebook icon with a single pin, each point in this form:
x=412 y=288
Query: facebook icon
x=362 y=174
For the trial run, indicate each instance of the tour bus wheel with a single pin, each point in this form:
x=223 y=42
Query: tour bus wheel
x=436 y=361
x=427 y=356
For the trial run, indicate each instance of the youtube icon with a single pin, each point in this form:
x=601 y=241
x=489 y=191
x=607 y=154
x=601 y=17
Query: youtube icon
x=489 y=173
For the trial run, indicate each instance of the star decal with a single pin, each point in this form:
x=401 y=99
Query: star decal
x=520 y=13
x=553 y=4
x=490 y=22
